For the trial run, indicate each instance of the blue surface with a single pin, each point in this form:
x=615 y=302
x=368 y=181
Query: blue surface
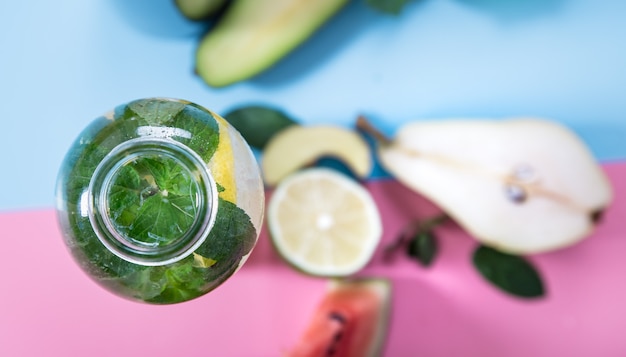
x=65 y=62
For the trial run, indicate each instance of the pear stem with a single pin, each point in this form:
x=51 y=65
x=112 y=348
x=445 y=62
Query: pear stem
x=365 y=126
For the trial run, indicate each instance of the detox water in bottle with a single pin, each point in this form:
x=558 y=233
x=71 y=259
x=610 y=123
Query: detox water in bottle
x=160 y=200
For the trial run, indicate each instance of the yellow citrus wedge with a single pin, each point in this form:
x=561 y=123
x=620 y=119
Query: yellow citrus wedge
x=324 y=223
x=222 y=163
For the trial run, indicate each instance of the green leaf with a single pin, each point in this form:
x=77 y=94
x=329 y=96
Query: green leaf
x=508 y=272
x=152 y=197
x=232 y=237
x=153 y=201
x=156 y=111
x=423 y=247
x=388 y=6
x=146 y=283
x=258 y=124
x=205 y=131
x=234 y=223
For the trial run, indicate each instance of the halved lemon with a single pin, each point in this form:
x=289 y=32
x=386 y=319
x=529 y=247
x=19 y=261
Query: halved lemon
x=323 y=222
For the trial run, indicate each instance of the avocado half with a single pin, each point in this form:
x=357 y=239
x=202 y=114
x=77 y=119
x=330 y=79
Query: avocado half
x=253 y=35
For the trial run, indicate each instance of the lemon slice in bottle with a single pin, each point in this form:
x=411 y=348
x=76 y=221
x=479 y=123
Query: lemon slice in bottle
x=222 y=164
x=324 y=223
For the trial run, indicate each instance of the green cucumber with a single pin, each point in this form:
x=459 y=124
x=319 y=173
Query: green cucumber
x=253 y=35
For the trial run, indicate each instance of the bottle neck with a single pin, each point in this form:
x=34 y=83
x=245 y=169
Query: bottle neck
x=152 y=201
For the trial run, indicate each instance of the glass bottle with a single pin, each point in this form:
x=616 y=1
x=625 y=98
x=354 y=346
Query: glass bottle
x=160 y=200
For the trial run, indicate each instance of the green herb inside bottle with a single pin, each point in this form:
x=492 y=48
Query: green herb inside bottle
x=148 y=201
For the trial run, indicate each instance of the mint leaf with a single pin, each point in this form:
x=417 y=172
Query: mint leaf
x=508 y=272
x=423 y=247
x=388 y=6
x=204 y=128
x=153 y=201
x=156 y=111
x=232 y=237
x=152 y=198
x=257 y=124
x=146 y=283
x=234 y=223
x=418 y=240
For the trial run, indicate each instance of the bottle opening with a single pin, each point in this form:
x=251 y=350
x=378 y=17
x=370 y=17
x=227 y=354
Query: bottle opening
x=152 y=201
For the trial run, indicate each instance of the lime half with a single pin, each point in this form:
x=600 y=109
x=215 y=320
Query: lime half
x=324 y=223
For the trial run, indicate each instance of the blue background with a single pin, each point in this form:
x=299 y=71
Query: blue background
x=65 y=62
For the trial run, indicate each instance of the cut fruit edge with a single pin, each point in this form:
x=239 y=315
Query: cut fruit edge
x=299 y=146
x=417 y=167
x=374 y=221
x=382 y=287
x=356 y=305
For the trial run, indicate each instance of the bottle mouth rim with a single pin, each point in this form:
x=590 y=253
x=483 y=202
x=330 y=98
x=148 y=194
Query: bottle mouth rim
x=125 y=246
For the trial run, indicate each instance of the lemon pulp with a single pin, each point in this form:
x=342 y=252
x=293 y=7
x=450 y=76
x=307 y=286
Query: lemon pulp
x=324 y=223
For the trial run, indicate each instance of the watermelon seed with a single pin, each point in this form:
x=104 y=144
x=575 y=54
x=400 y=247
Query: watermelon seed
x=338 y=317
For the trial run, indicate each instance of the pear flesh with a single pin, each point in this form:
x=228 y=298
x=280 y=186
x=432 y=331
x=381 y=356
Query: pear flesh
x=519 y=185
x=298 y=146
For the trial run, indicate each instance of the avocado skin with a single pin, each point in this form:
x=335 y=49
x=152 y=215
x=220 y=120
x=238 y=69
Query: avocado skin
x=253 y=35
x=198 y=10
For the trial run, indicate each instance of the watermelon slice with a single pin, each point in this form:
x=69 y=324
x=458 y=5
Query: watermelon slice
x=351 y=321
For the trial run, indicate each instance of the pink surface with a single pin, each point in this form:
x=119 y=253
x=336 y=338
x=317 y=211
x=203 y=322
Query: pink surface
x=48 y=307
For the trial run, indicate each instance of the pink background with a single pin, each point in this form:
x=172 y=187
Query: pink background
x=48 y=307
